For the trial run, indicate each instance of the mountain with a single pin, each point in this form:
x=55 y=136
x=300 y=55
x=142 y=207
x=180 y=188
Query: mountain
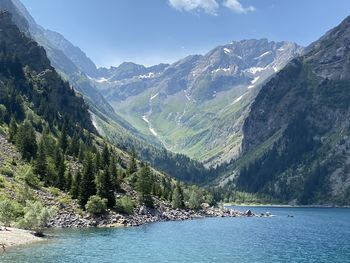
x=197 y=105
x=68 y=60
x=296 y=143
x=75 y=54
x=26 y=71
x=74 y=66
x=52 y=156
x=127 y=70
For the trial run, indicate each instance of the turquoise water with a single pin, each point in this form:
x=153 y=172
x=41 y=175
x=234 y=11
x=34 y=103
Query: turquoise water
x=312 y=235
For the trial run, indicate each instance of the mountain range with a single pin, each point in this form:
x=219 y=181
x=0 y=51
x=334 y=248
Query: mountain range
x=52 y=155
x=196 y=106
x=74 y=66
x=269 y=118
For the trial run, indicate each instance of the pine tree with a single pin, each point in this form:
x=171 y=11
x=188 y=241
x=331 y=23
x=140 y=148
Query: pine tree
x=74 y=144
x=61 y=179
x=105 y=188
x=105 y=156
x=40 y=164
x=87 y=185
x=114 y=174
x=69 y=180
x=63 y=139
x=49 y=143
x=144 y=186
x=132 y=166
x=12 y=130
x=81 y=154
x=178 y=197
x=196 y=198
x=98 y=162
x=26 y=140
x=76 y=185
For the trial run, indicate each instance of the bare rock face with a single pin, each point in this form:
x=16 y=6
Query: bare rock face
x=330 y=55
x=298 y=126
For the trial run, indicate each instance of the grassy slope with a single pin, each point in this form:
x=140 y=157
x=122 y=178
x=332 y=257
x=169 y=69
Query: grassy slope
x=189 y=127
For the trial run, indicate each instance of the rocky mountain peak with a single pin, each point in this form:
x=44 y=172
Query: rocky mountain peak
x=330 y=55
x=190 y=95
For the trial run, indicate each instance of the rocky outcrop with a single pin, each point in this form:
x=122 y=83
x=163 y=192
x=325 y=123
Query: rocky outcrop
x=297 y=131
x=68 y=218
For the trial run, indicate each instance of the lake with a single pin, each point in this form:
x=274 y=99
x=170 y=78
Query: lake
x=312 y=235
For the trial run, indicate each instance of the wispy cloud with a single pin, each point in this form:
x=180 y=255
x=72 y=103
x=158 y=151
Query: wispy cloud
x=209 y=6
x=237 y=7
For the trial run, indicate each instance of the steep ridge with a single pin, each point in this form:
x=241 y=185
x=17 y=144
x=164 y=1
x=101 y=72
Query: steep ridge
x=296 y=137
x=68 y=60
x=51 y=153
x=62 y=54
x=197 y=105
x=38 y=81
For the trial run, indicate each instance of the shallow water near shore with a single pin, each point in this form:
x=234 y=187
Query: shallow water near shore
x=311 y=235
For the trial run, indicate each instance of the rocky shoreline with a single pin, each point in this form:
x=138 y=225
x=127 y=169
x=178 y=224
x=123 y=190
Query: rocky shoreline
x=68 y=218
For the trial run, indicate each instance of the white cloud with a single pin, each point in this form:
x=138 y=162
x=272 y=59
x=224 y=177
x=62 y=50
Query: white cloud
x=208 y=6
x=237 y=7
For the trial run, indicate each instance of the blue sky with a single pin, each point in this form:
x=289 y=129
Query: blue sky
x=153 y=31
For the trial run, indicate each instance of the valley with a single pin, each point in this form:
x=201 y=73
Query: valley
x=189 y=131
x=185 y=99
x=251 y=121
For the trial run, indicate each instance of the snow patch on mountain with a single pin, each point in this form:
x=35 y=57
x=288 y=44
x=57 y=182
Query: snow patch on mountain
x=238 y=99
x=147 y=76
x=154 y=96
x=153 y=131
x=255 y=70
x=263 y=55
x=255 y=80
x=98 y=80
x=221 y=69
x=144 y=117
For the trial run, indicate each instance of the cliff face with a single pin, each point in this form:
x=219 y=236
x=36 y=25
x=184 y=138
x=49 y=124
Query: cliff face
x=300 y=125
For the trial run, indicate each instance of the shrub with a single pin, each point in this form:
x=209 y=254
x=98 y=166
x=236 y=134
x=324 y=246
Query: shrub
x=7 y=212
x=36 y=217
x=26 y=174
x=54 y=191
x=96 y=205
x=2 y=182
x=24 y=194
x=125 y=205
x=66 y=200
x=6 y=171
x=195 y=200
